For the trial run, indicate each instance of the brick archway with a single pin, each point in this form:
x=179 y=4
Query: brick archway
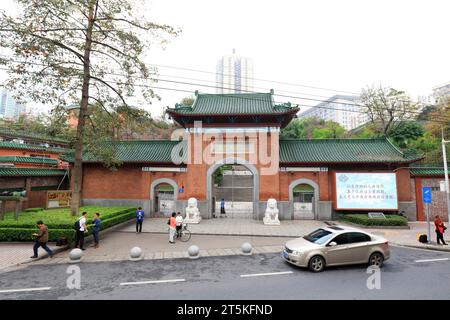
x=313 y=184
x=155 y=183
x=239 y=161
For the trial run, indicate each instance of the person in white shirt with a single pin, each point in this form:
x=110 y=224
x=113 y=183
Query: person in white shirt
x=179 y=220
x=82 y=228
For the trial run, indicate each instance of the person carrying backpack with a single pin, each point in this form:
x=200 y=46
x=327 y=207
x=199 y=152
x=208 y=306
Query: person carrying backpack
x=80 y=228
x=139 y=219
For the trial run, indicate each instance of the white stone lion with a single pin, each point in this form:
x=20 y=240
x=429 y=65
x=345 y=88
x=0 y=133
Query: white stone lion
x=271 y=214
x=192 y=212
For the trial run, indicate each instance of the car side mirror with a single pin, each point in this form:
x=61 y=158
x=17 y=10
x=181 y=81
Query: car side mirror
x=332 y=244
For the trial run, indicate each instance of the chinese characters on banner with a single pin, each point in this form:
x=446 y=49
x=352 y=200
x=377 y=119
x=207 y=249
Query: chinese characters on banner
x=366 y=191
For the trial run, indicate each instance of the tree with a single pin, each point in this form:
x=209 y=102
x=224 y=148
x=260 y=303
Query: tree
x=312 y=128
x=188 y=101
x=406 y=132
x=84 y=51
x=387 y=107
x=331 y=130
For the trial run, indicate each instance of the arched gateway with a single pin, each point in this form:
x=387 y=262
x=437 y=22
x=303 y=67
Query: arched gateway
x=211 y=202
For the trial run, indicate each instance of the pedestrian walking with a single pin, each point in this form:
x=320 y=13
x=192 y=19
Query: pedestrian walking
x=81 y=228
x=139 y=219
x=222 y=208
x=41 y=240
x=96 y=223
x=179 y=221
x=172 y=227
x=440 y=229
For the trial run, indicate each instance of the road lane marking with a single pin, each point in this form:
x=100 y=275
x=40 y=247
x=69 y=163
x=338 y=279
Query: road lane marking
x=431 y=260
x=25 y=290
x=151 y=282
x=265 y=274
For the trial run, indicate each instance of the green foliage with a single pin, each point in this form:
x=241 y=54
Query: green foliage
x=363 y=219
x=312 y=128
x=218 y=174
x=34 y=209
x=406 y=133
x=59 y=222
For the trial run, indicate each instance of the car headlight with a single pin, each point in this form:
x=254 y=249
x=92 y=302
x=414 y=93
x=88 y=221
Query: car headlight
x=297 y=253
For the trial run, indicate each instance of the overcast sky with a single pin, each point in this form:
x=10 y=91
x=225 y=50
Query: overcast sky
x=341 y=45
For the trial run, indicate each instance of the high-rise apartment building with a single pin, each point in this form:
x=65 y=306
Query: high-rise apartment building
x=234 y=74
x=9 y=108
x=342 y=109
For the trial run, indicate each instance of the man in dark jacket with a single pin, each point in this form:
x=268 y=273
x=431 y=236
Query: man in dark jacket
x=41 y=240
x=139 y=219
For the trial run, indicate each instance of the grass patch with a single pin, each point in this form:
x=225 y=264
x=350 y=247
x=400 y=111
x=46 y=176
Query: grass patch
x=59 y=221
x=363 y=219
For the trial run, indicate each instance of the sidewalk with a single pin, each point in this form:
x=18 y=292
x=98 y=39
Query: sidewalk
x=408 y=238
x=215 y=237
x=15 y=253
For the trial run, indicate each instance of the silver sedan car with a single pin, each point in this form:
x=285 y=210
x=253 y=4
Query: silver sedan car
x=335 y=246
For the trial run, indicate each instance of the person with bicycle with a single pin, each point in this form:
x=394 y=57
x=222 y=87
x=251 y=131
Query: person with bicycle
x=179 y=221
x=172 y=227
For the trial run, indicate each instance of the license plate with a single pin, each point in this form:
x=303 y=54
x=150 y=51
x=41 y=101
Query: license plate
x=285 y=255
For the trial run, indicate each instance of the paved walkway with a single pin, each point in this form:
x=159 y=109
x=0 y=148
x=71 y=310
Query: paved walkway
x=236 y=227
x=15 y=253
x=215 y=237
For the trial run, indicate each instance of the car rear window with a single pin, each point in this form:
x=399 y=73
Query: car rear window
x=319 y=236
x=358 y=237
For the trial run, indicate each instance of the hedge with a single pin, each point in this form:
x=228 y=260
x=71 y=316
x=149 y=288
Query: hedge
x=363 y=219
x=22 y=233
x=59 y=218
x=34 y=209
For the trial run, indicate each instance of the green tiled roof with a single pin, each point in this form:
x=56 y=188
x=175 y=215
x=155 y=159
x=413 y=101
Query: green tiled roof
x=31 y=172
x=14 y=145
x=340 y=151
x=232 y=104
x=37 y=160
x=136 y=151
x=427 y=171
x=22 y=134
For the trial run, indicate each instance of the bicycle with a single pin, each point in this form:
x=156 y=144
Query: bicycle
x=185 y=233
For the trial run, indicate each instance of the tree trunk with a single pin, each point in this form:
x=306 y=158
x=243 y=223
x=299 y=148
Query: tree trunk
x=77 y=172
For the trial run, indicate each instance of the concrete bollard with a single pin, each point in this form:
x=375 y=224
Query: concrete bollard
x=136 y=254
x=194 y=252
x=76 y=255
x=246 y=249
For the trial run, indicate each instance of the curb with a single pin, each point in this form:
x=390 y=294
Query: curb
x=423 y=247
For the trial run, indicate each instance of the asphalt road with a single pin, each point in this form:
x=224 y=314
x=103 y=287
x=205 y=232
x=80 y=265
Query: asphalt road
x=404 y=276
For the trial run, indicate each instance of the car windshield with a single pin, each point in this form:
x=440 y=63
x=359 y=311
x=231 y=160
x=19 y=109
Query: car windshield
x=320 y=236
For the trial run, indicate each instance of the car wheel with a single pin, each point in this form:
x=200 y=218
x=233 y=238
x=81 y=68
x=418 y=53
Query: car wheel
x=316 y=264
x=376 y=259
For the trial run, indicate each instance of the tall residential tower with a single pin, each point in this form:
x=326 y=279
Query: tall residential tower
x=234 y=74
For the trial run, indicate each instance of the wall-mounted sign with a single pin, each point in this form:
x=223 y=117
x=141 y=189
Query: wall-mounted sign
x=58 y=199
x=366 y=191
x=303 y=169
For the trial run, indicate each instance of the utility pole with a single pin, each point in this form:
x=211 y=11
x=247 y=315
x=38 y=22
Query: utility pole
x=447 y=189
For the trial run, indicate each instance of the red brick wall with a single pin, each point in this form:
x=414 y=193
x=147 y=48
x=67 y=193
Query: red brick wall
x=438 y=204
x=127 y=182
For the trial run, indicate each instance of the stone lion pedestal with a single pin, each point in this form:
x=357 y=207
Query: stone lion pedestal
x=271 y=214
x=192 y=212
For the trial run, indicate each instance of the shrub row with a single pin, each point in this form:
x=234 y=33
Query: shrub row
x=34 y=209
x=57 y=225
x=366 y=221
x=25 y=233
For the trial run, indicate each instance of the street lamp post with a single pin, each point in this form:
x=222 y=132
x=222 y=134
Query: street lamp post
x=447 y=189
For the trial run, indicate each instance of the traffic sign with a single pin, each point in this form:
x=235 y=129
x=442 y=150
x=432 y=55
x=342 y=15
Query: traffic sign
x=426 y=194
